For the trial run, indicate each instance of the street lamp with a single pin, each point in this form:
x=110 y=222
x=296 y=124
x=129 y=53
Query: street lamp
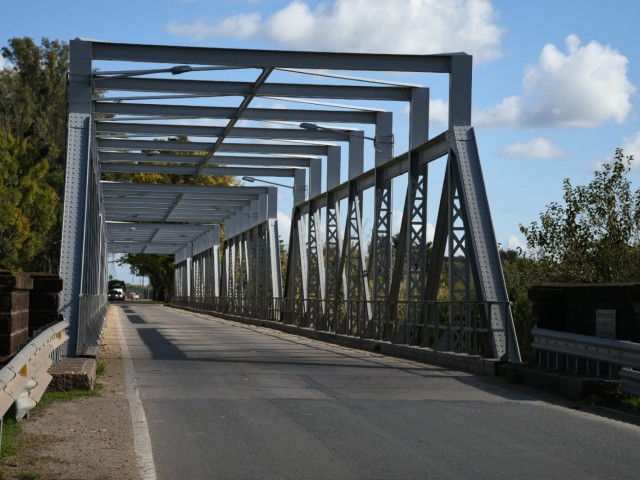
x=175 y=70
x=349 y=133
x=251 y=180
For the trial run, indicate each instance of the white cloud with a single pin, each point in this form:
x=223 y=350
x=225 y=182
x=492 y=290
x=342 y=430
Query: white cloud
x=439 y=111
x=585 y=87
x=631 y=146
x=534 y=148
x=431 y=230
x=396 y=221
x=284 y=226
x=239 y=27
x=381 y=26
x=514 y=242
x=396 y=224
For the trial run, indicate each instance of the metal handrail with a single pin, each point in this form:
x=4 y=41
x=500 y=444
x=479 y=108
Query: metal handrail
x=447 y=326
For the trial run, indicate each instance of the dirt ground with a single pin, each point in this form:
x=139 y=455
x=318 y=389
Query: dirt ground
x=83 y=439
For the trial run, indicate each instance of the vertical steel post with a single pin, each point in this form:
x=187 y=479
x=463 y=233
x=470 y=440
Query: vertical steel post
x=380 y=263
x=76 y=186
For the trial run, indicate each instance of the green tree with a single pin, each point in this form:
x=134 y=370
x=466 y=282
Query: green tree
x=520 y=273
x=28 y=205
x=594 y=236
x=159 y=269
x=32 y=149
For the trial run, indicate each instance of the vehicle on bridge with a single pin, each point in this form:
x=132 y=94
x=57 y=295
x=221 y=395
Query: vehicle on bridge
x=117 y=289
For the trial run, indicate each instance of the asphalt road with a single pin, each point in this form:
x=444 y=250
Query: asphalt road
x=229 y=401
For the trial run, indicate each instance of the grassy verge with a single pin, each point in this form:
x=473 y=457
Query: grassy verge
x=616 y=401
x=53 y=397
x=12 y=428
x=14 y=452
x=10 y=432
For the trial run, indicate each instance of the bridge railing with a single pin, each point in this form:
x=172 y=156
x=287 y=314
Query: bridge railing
x=93 y=311
x=460 y=327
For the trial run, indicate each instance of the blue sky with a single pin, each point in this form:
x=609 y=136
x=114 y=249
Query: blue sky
x=555 y=82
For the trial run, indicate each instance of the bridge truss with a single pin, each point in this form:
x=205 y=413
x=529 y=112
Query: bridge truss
x=309 y=119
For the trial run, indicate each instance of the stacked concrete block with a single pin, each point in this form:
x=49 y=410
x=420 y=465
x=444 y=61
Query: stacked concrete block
x=44 y=301
x=14 y=311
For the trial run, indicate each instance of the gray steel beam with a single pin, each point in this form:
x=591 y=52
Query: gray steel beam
x=167 y=129
x=257 y=114
x=429 y=151
x=300 y=161
x=481 y=241
x=242 y=108
x=76 y=178
x=272 y=58
x=264 y=148
x=140 y=188
x=186 y=170
x=221 y=88
x=115 y=226
x=460 y=91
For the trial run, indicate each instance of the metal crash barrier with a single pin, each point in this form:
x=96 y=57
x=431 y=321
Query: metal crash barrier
x=25 y=378
x=584 y=354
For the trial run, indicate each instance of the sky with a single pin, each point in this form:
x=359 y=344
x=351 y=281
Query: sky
x=555 y=82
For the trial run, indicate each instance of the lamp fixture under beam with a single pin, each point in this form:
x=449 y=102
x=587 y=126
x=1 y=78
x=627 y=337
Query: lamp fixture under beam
x=349 y=133
x=251 y=180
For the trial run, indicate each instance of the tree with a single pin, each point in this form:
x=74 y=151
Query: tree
x=32 y=145
x=159 y=269
x=594 y=237
x=520 y=273
x=28 y=205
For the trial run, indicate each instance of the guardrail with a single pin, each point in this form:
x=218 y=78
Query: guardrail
x=25 y=378
x=583 y=354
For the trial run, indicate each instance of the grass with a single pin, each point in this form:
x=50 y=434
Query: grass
x=616 y=401
x=631 y=402
x=65 y=396
x=101 y=368
x=27 y=476
x=10 y=433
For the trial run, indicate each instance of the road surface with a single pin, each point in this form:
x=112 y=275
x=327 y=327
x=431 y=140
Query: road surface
x=225 y=400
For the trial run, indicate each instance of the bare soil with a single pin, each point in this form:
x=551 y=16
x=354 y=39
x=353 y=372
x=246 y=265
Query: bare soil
x=83 y=439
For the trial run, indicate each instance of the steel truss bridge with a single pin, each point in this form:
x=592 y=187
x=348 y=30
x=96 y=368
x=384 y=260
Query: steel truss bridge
x=329 y=125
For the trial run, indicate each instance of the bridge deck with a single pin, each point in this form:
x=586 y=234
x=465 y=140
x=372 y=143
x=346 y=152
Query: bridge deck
x=225 y=400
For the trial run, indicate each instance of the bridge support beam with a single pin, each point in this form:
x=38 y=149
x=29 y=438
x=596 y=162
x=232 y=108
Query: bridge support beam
x=83 y=253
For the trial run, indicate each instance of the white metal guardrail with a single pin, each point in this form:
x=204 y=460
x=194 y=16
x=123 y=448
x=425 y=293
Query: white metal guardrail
x=631 y=381
x=602 y=357
x=25 y=378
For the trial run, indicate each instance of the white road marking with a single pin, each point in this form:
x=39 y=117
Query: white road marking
x=141 y=439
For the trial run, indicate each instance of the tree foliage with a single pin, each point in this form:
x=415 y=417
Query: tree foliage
x=32 y=140
x=159 y=269
x=520 y=273
x=594 y=236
